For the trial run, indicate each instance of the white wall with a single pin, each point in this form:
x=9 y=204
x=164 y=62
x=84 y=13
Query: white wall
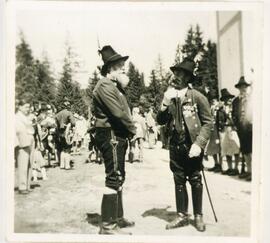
x=230 y=63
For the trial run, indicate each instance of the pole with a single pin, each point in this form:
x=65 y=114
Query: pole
x=209 y=197
x=114 y=144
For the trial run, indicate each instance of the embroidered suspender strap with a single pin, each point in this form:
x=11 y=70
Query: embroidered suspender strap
x=178 y=118
x=114 y=144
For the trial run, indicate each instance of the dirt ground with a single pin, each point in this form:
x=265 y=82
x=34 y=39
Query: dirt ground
x=69 y=202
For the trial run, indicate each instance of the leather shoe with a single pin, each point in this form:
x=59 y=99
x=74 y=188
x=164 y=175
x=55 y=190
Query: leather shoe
x=226 y=172
x=112 y=229
x=180 y=221
x=199 y=224
x=233 y=172
x=213 y=168
x=249 y=177
x=124 y=223
x=217 y=169
x=244 y=175
x=23 y=192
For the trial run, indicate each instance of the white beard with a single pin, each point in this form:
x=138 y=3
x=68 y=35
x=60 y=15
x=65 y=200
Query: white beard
x=122 y=78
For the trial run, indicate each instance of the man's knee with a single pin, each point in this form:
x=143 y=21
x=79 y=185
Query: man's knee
x=179 y=179
x=195 y=179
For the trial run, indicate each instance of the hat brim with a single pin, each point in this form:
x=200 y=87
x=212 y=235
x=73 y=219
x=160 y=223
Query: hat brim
x=222 y=98
x=174 y=68
x=117 y=58
x=241 y=84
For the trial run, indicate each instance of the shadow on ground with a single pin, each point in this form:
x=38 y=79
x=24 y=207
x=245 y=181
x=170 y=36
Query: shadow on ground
x=93 y=218
x=161 y=213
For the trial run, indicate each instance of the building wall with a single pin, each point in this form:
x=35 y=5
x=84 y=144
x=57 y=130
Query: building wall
x=229 y=49
x=235 y=48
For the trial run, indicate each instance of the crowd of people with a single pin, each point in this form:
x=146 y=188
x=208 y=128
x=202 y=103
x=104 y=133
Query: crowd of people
x=187 y=125
x=45 y=138
x=231 y=139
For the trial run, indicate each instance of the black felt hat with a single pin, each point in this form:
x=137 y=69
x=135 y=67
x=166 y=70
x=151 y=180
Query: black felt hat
x=225 y=94
x=109 y=55
x=241 y=82
x=186 y=65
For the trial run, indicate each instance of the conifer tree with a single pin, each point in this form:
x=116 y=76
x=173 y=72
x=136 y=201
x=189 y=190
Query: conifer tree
x=92 y=81
x=178 y=55
x=25 y=76
x=68 y=88
x=46 y=84
x=136 y=85
x=193 y=43
x=153 y=92
x=207 y=68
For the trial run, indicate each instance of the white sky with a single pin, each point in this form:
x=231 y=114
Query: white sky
x=141 y=34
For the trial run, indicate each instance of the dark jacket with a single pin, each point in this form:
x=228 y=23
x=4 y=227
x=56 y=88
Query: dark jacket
x=237 y=113
x=63 y=118
x=111 y=108
x=197 y=116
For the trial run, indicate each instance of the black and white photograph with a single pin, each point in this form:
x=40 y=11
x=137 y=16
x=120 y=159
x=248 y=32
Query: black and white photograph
x=133 y=121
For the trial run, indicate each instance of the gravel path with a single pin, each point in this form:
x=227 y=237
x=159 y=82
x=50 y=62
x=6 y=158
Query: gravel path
x=69 y=202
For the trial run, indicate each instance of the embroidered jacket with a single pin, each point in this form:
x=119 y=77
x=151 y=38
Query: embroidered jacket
x=196 y=114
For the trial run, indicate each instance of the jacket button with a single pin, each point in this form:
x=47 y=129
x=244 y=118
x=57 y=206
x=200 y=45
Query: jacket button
x=196 y=125
x=194 y=117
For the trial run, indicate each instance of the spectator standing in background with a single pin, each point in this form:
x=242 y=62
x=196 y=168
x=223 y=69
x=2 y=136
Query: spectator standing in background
x=229 y=140
x=242 y=116
x=213 y=146
x=25 y=142
x=65 y=122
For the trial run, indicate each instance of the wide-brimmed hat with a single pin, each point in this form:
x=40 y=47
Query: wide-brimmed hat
x=109 y=56
x=225 y=94
x=241 y=82
x=186 y=65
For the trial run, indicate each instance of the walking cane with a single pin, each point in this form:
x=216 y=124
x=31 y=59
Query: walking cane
x=209 y=197
x=114 y=144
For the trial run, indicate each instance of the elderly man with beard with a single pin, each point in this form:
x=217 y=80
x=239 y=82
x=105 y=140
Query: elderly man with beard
x=114 y=126
x=186 y=112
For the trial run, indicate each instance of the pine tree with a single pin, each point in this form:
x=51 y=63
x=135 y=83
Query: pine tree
x=92 y=81
x=193 y=43
x=204 y=56
x=46 y=83
x=207 y=68
x=178 y=55
x=160 y=71
x=153 y=92
x=25 y=78
x=136 y=85
x=68 y=88
x=77 y=102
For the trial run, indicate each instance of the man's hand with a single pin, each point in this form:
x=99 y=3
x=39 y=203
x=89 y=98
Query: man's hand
x=168 y=95
x=195 y=150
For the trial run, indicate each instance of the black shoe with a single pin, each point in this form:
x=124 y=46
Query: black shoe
x=180 y=221
x=199 y=224
x=23 y=192
x=244 y=175
x=213 y=168
x=218 y=169
x=112 y=229
x=124 y=223
x=233 y=172
x=226 y=172
x=249 y=177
